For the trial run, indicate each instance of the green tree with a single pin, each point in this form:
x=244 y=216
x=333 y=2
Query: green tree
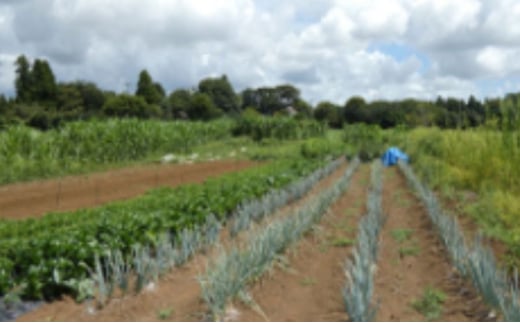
x=44 y=88
x=151 y=92
x=92 y=97
x=126 y=105
x=69 y=102
x=179 y=103
x=221 y=93
x=330 y=113
x=23 y=81
x=354 y=110
x=202 y=107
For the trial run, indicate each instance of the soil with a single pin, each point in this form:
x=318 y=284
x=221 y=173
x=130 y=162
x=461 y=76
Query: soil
x=177 y=295
x=305 y=285
x=405 y=269
x=33 y=199
x=308 y=286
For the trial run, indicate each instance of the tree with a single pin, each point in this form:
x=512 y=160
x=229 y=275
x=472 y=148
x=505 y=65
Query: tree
x=354 y=110
x=221 y=93
x=23 y=81
x=44 y=87
x=151 y=92
x=126 y=105
x=69 y=102
x=202 y=108
x=92 y=97
x=330 y=113
x=179 y=103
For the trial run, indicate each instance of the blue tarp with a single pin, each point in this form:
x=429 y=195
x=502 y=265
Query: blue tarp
x=392 y=155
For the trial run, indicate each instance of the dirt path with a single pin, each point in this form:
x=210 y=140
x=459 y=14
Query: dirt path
x=308 y=288
x=75 y=192
x=177 y=295
x=409 y=263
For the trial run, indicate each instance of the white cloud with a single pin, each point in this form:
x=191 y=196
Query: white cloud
x=323 y=47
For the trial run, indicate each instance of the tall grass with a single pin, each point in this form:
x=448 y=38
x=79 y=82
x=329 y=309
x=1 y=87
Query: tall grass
x=26 y=153
x=477 y=168
x=475 y=261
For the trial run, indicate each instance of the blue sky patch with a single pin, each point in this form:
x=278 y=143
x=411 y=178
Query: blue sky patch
x=400 y=53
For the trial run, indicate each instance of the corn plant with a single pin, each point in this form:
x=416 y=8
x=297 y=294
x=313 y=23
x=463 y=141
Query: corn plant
x=357 y=293
x=233 y=269
x=476 y=261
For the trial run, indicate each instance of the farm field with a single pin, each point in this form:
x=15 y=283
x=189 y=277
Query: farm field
x=246 y=161
x=280 y=221
x=75 y=192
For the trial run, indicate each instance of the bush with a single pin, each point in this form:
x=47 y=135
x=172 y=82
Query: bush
x=367 y=140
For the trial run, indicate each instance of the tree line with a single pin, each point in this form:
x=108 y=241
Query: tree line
x=44 y=103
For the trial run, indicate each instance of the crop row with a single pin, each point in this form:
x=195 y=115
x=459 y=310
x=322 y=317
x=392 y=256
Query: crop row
x=357 y=293
x=67 y=243
x=475 y=261
x=226 y=277
x=27 y=153
x=147 y=263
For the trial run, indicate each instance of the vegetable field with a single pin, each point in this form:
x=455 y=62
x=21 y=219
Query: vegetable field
x=318 y=230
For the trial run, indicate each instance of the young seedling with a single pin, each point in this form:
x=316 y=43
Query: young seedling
x=165 y=313
x=430 y=304
x=342 y=242
x=401 y=235
x=409 y=251
x=308 y=281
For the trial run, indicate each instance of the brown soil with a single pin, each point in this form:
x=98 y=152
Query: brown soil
x=402 y=277
x=177 y=293
x=308 y=287
x=70 y=193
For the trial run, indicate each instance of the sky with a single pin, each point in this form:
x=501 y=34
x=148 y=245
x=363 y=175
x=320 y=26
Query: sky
x=329 y=49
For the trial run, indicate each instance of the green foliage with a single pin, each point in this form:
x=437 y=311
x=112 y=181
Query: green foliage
x=126 y=105
x=358 y=289
x=367 y=140
x=34 y=83
x=329 y=113
x=31 y=251
x=282 y=128
x=221 y=93
x=164 y=314
x=202 y=108
x=228 y=274
x=409 y=251
x=179 y=103
x=401 y=235
x=26 y=153
x=23 y=82
x=269 y=100
x=151 y=92
x=430 y=304
x=318 y=147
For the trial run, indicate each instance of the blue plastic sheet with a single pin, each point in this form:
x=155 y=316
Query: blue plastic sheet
x=393 y=155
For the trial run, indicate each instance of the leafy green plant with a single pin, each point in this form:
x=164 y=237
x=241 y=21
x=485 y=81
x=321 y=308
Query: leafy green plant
x=342 y=242
x=430 y=304
x=308 y=281
x=401 y=235
x=165 y=313
x=36 y=252
x=409 y=251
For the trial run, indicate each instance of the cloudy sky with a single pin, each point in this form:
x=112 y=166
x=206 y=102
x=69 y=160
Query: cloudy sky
x=329 y=49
